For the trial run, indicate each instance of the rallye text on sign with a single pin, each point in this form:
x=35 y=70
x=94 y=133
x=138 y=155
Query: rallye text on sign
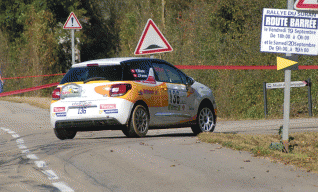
x=132 y=95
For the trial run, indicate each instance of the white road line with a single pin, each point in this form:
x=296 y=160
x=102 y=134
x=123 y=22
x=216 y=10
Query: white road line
x=11 y=132
x=32 y=156
x=4 y=129
x=26 y=151
x=40 y=164
x=15 y=135
x=20 y=141
x=22 y=146
x=62 y=187
x=50 y=174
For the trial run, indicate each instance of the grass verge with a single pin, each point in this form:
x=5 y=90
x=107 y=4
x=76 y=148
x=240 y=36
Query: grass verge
x=304 y=155
x=42 y=102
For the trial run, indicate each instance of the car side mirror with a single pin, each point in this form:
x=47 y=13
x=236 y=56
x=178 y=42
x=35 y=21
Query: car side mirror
x=190 y=81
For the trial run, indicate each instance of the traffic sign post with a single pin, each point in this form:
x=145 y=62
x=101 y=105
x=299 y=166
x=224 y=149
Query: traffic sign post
x=72 y=23
x=290 y=32
x=287 y=96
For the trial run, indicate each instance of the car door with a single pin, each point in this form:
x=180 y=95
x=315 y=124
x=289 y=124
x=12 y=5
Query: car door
x=175 y=109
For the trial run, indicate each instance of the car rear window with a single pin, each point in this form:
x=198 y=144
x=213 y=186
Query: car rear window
x=111 y=73
x=136 y=70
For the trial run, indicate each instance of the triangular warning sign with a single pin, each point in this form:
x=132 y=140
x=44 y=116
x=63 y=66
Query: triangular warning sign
x=286 y=63
x=152 y=41
x=72 y=22
x=306 y=5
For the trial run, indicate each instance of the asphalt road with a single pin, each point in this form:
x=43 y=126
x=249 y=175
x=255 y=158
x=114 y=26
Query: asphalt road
x=33 y=159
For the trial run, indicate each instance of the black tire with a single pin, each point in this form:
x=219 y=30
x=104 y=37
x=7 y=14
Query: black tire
x=205 y=121
x=62 y=133
x=125 y=131
x=139 y=122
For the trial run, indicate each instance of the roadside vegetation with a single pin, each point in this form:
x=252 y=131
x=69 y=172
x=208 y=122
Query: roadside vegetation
x=304 y=154
x=42 y=102
x=201 y=32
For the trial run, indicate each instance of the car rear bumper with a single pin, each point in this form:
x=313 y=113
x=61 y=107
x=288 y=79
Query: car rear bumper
x=89 y=124
x=65 y=114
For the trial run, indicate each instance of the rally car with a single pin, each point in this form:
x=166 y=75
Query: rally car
x=131 y=94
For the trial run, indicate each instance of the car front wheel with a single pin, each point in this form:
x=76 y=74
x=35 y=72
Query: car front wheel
x=205 y=121
x=139 y=122
x=62 y=133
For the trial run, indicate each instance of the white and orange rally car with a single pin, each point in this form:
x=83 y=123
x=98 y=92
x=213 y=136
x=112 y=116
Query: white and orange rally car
x=130 y=94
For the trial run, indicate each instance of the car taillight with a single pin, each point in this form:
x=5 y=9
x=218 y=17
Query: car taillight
x=56 y=95
x=119 y=89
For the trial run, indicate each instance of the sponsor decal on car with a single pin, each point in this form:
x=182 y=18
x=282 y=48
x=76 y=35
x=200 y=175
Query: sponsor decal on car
x=151 y=92
x=58 y=109
x=61 y=114
x=108 y=111
x=107 y=106
x=82 y=104
x=71 y=90
x=174 y=107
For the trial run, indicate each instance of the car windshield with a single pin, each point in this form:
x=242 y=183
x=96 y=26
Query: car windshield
x=111 y=73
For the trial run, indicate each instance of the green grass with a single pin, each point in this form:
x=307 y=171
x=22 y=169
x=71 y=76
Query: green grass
x=304 y=155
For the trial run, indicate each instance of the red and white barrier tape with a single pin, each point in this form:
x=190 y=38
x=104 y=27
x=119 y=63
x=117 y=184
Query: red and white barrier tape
x=34 y=76
x=204 y=67
x=28 y=89
x=271 y=67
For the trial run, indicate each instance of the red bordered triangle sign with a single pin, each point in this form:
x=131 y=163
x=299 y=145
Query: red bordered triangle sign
x=306 y=5
x=72 y=22
x=152 y=41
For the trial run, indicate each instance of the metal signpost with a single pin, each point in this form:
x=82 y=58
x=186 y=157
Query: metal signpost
x=72 y=23
x=290 y=32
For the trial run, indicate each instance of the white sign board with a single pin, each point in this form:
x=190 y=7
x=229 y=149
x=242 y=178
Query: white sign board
x=289 y=31
x=282 y=84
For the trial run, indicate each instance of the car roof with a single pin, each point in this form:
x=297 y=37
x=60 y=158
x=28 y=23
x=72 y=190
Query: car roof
x=108 y=61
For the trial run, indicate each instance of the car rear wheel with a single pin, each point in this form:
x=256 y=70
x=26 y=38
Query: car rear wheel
x=205 y=121
x=139 y=122
x=62 y=133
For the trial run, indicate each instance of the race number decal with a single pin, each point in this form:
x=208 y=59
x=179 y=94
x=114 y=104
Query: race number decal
x=177 y=100
x=81 y=110
x=174 y=97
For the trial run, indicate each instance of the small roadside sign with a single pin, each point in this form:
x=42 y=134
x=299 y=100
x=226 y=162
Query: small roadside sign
x=287 y=62
x=306 y=5
x=279 y=85
x=72 y=22
x=152 y=41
